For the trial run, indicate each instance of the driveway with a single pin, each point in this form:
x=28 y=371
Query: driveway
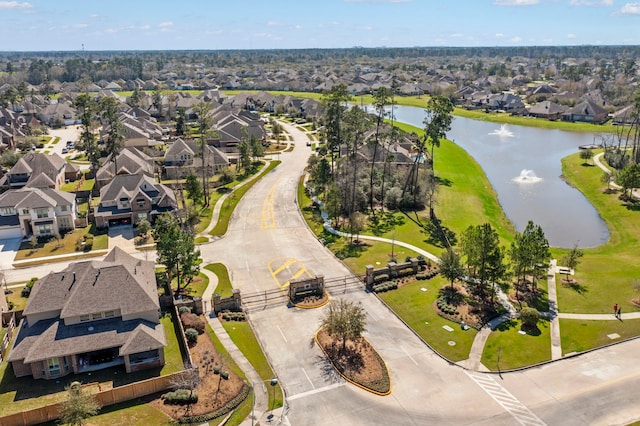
x=122 y=237
x=8 y=250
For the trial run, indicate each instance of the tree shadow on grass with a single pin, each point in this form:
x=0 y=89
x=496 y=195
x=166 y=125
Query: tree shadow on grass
x=531 y=331
x=385 y=222
x=438 y=236
x=507 y=325
x=575 y=286
x=443 y=181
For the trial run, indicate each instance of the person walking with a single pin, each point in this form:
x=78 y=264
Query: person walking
x=615 y=310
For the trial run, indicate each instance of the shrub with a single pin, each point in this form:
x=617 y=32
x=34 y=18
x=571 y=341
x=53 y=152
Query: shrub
x=184 y=310
x=31 y=282
x=191 y=335
x=180 y=397
x=224 y=375
x=421 y=276
x=190 y=320
x=530 y=318
x=25 y=292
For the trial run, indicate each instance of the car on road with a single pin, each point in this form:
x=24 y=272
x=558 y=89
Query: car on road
x=65 y=150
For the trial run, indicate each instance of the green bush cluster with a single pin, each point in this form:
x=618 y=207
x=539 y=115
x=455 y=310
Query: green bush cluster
x=234 y=316
x=191 y=334
x=381 y=278
x=227 y=408
x=180 y=397
x=184 y=310
x=88 y=243
x=27 y=290
x=427 y=275
x=381 y=288
x=445 y=307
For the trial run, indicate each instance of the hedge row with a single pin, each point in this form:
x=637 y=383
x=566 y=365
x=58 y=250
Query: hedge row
x=381 y=288
x=180 y=397
x=234 y=316
x=231 y=405
x=427 y=275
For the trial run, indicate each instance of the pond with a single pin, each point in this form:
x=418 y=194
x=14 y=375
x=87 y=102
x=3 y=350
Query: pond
x=523 y=165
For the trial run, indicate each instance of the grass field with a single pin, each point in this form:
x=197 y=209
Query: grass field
x=66 y=245
x=606 y=273
x=415 y=307
x=242 y=335
x=581 y=335
x=224 y=287
x=516 y=350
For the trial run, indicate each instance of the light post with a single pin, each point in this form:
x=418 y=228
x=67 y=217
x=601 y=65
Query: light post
x=273 y=382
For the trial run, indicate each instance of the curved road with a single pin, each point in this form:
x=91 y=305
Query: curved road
x=268 y=243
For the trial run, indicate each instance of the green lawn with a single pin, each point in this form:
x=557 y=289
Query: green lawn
x=197 y=286
x=516 y=350
x=224 y=287
x=415 y=307
x=130 y=413
x=606 y=273
x=242 y=335
x=18 y=394
x=75 y=186
x=66 y=245
x=15 y=296
x=581 y=335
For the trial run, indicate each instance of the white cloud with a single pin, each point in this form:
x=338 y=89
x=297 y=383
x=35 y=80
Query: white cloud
x=79 y=26
x=111 y=30
x=165 y=24
x=572 y=36
x=4 y=5
x=93 y=15
x=630 y=9
x=515 y=2
x=274 y=24
x=366 y=28
x=499 y=35
x=456 y=35
x=516 y=39
x=591 y=3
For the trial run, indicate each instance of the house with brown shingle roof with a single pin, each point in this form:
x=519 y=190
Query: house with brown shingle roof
x=90 y=316
x=36 y=170
x=184 y=157
x=128 y=199
x=586 y=111
x=129 y=161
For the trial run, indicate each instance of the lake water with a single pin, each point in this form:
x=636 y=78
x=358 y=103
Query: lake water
x=523 y=165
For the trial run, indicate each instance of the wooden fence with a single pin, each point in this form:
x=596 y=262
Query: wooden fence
x=108 y=397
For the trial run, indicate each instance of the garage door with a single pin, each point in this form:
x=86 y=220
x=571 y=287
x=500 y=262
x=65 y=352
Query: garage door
x=8 y=233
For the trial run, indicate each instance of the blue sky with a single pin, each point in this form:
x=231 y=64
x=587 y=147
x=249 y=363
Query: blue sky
x=280 y=24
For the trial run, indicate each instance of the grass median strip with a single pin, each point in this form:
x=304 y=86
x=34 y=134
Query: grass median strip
x=230 y=203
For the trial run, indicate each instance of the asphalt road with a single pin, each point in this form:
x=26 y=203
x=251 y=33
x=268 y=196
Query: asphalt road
x=268 y=243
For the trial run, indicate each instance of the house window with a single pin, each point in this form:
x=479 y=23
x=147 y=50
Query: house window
x=63 y=208
x=44 y=229
x=140 y=202
x=85 y=318
x=25 y=211
x=109 y=314
x=54 y=366
x=96 y=316
x=124 y=202
x=142 y=216
x=42 y=213
x=6 y=211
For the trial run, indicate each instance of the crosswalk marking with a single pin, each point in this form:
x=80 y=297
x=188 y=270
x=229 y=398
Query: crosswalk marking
x=510 y=403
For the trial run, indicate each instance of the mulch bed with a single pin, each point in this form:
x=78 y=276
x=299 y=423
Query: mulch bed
x=213 y=391
x=359 y=362
x=309 y=302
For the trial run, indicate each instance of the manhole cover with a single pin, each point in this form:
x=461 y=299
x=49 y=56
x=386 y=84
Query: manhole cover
x=451 y=343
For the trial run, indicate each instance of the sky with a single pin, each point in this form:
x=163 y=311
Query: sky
x=46 y=25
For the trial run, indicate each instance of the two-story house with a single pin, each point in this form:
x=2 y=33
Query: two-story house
x=91 y=315
x=128 y=199
x=129 y=161
x=36 y=211
x=37 y=170
x=184 y=157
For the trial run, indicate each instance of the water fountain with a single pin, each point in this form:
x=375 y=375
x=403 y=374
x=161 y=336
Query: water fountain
x=503 y=132
x=527 y=176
